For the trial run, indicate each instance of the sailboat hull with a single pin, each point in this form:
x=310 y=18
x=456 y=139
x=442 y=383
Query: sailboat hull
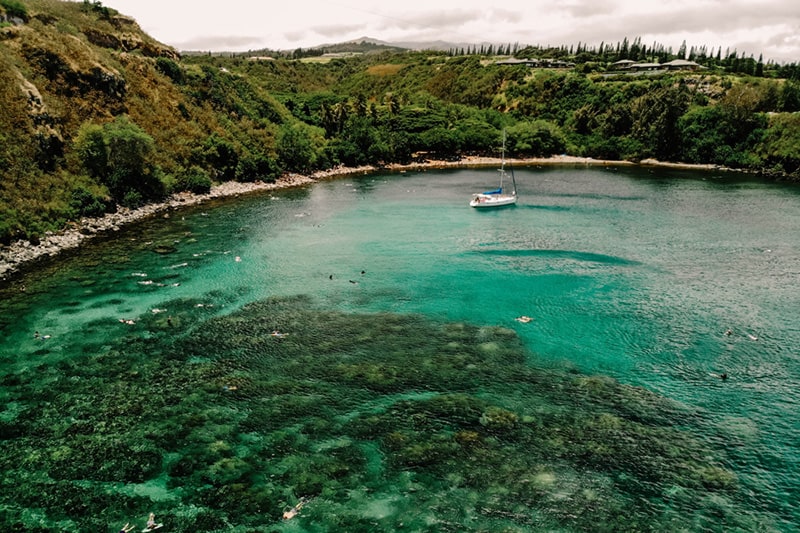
x=485 y=200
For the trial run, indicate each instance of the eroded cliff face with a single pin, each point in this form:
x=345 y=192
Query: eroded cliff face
x=129 y=42
x=62 y=80
x=66 y=63
x=45 y=125
x=77 y=56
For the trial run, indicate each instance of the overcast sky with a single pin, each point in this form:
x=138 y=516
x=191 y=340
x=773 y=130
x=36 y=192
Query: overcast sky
x=771 y=27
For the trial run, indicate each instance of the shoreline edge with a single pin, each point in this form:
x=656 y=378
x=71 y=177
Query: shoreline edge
x=20 y=254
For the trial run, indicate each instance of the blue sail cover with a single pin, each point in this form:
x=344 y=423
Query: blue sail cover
x=496 y=191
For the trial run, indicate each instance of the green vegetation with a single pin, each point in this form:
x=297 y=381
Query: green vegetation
x=118 y=155
x=14 y=8
x=75 y=78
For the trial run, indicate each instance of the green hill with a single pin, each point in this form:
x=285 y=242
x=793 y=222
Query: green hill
x=68 y=74
x=94 y=113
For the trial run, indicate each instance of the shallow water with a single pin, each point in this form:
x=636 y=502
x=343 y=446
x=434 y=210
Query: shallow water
x=400 y=393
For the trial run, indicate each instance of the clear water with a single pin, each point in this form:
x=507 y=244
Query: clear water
x=402 y=393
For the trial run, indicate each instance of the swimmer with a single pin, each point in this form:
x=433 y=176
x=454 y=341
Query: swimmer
x=728 y=332
x=151 y=523
x=126 y=528
x=294 y=511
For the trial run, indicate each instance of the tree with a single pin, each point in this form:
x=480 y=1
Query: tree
x=682 y=51
x=220 y=155
x=90 y=145
x=790 y=96
x=703 y=135
x=781 y=144
x=299 y=147
x=257 y=166
x=441 y=141
x=119 y=154
x=537 y=139
x=655 y=120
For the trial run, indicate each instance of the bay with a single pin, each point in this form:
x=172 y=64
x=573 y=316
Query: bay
x=354 y=344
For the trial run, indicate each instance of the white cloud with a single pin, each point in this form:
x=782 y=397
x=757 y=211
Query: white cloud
x=770 y=27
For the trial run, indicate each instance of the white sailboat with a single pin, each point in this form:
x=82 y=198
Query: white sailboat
x=496 y=197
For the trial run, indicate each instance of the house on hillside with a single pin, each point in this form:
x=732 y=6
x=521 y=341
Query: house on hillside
x=644 y=67
x=514 y=61
x=675 y=64
x=622 y=64
x=682 y=64
x=536 y=63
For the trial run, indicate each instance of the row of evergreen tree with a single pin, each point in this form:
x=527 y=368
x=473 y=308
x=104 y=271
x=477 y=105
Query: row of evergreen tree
x=731 y=61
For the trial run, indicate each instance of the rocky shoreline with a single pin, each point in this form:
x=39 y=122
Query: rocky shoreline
x=21 y=253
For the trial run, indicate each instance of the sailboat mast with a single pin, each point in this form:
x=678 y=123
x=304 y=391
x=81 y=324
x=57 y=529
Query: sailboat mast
x=503 y=167
x=503 y=153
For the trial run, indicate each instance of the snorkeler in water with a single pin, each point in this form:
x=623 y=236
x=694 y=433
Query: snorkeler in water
x=151 y=523
x=294 y=511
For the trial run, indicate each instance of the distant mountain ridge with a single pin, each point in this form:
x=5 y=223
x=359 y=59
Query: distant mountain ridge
x=437 y=45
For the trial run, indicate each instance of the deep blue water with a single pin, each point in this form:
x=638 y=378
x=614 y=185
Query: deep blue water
x=630 y=273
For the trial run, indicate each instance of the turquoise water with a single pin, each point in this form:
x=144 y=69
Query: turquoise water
x=401 y=393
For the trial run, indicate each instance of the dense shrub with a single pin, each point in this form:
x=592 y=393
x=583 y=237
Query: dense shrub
x=539 y=138
x=195 y=180
x=299 y=147
x=119 y=154
x=9 y=225
x=14 y=8
x=85 y=203
x=219 y=155
x=170 y=69
x=254 y=167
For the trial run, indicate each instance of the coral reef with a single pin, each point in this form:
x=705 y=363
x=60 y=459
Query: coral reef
x=378 y=422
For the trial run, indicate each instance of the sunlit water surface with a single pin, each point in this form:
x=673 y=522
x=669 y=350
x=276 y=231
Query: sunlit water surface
x=634 y=274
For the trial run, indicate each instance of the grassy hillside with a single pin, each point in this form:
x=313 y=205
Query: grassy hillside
x=95 y=114
x=72 y=65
